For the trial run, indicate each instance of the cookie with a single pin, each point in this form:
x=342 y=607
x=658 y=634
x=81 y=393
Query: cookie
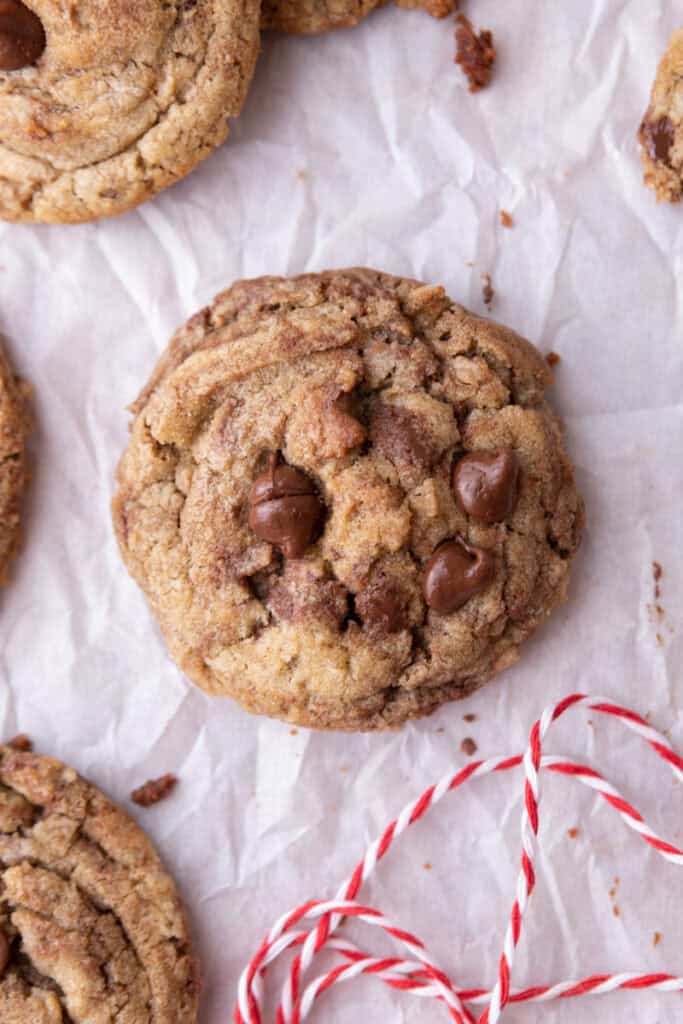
x=14 y=427
x=346 y=498
x=661 y=131
x=105 y=102
x=305 y=17
x=91 y=927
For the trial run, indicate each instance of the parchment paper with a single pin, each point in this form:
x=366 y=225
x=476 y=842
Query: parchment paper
x=364 y=147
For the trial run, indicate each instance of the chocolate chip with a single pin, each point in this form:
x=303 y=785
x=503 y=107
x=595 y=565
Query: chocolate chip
x=4 y=952
x=455 y=573
x=485 y=483
x=284 y=508
x=658 y=138
x=22 y=37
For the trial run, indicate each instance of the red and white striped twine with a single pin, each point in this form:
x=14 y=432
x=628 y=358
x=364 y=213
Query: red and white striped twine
x=310 y=928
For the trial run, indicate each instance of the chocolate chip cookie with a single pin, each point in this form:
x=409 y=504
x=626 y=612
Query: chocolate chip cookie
x=310 y=16
x=14 y=427
x=661 y=131
x=91 y=927
x=346 y=498
x=105 y=102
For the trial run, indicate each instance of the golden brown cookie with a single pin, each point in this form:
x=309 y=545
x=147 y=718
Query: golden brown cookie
x=14 y=426
x=105 y=102
x=661 y=131
x=346 y=498
x=91 y=926
x=305 y=17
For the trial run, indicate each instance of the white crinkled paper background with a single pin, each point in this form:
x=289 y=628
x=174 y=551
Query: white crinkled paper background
x=364 y=147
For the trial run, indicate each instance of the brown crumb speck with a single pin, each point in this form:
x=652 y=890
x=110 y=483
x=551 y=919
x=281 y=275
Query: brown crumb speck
x=427 y=866
x=506 y=219
x=20 y=742
x=154 y=790
x=293 y=732
x=469 y=718
x=468 y=746
x=475 y=53
x=656 y=938
x=552 y=358
x=616 y=911
x=441 y=729
x=657 y=573
x=487 y=290
x=572 y=833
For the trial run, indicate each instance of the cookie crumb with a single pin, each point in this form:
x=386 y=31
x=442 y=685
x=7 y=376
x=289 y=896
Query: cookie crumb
x=21 y=742
x=552 y=358
x=487 y=290
x=616 y=911
x=468 y=746
x=154 y=790
x=293 y=732
x=475 y=53
x=506 y=219
x=427 y=866
x=469 y=718
x=656 y=938
x=657 y=573
x=572 y=833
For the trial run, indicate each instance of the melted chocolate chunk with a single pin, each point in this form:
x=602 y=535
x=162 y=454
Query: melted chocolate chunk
x=22 y=37
x=21 y=742
x=485 y=483
x=455 y=573
x=658 y=138
x=306 y=593
x=4 y=952
x=284 y=508
x=382 y=609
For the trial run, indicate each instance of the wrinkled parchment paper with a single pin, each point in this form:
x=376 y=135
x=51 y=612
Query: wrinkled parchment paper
x=364 y=147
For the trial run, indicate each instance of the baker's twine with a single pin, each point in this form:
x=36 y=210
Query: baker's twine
x=310 y=928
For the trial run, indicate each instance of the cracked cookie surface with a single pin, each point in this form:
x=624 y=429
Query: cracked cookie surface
x=363 y=391
x=306 y=17
x=91 y=927
x=125 y=99
x=14 y=427
x=661 y=131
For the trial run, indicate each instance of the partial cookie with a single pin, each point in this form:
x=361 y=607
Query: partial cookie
x=14 y=426
x=105 y=102
x=346 y=498
x=310 y=16
x=91 y=926
x=661 y=132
